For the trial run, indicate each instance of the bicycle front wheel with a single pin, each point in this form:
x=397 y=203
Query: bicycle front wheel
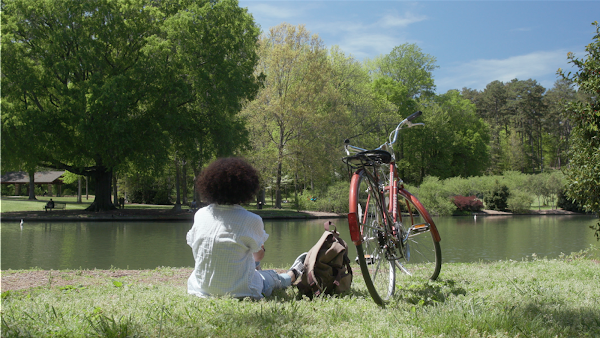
x=421 y=255
x=367 y=203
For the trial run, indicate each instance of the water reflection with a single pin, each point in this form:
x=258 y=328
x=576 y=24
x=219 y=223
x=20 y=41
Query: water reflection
x=466 y=239
x=147 y=245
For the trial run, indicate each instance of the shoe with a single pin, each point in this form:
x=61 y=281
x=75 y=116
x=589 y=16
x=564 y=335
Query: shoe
x=298 y=266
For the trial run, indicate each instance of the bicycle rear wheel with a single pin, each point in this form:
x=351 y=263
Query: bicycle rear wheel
x=421 y=255
x=368 y=206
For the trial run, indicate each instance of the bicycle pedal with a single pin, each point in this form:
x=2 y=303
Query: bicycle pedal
x=418 y=228
x=369 y=259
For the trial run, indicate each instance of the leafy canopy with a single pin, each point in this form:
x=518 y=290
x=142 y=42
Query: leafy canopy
x=90 y=86
x=584 y=173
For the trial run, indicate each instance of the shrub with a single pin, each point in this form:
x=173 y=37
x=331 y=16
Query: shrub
x=519 y=202
x=162 y=197
x=334 y=199
x=467 y=203
x=497 y=198
x=141 y=196
x=68 y=192
x=567 y=204
x=8 y=189
x=434 y=196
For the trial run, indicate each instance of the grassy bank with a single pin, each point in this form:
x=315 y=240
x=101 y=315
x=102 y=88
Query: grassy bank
x=20 y=204
x=534 y=298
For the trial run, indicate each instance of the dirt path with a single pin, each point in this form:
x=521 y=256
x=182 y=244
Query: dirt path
x=22 y=280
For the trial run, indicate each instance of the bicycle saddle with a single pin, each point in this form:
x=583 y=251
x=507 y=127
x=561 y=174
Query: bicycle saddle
x=368 y=158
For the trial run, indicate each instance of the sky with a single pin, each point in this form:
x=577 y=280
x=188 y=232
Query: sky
x=474 y=42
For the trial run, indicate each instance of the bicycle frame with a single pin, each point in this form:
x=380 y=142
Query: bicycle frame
x=394 y=188
x=385 y=243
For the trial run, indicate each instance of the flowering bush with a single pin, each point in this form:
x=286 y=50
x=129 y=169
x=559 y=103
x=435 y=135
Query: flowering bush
x=468 y=203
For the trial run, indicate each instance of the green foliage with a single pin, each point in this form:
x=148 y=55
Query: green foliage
x=334 y=199
x=536 y=185
x=410 y=68
x=566 y=203
x=434 y=195
x=584 y=173
x=495 y=299
x=528 y=127
x=291 y=117
x=90 y=94
x=497 y=197
x=150 y=192
x=519 y=202
x=557 y=122
x=163 y=196
x=454 y=141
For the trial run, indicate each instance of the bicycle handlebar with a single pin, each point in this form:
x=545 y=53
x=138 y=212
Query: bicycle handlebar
x=391 y=141
x=406 y=121
x=415 y=115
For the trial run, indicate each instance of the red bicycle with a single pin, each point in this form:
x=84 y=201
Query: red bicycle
x=390 y=228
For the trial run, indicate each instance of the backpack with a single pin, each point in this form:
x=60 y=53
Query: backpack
x=326 y=266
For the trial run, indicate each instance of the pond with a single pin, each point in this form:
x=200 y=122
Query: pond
x=147 y=245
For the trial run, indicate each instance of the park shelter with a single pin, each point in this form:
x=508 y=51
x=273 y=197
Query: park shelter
x=19 y=178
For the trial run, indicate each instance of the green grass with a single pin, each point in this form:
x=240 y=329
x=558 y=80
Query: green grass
x=21 y=203
x=533 y=298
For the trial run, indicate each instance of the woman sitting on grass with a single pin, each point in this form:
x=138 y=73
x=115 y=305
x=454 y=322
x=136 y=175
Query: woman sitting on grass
x=228 y=241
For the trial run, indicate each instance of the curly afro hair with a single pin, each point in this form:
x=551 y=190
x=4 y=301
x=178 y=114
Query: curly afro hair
x=230 y=180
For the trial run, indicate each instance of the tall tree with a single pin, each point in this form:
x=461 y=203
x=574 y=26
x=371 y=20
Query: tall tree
x=403 y=77
x=89 y=86
x=492 y=106
x=557 y=124
x=345 y=102
x=584 y=172
x=528 y=110
x=454 y=141
x=408 y=66
x=294 y=63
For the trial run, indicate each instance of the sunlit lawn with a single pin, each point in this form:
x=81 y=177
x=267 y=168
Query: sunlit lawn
x=21 y=203
x=538 y=298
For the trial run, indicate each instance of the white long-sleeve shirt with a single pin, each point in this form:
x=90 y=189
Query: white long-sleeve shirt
x=223 y=240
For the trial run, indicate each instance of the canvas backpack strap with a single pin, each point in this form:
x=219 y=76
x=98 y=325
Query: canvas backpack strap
x=328 y=226
x=339 y=276
x=310 y=262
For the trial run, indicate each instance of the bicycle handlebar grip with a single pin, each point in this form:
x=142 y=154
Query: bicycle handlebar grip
x=414 y=116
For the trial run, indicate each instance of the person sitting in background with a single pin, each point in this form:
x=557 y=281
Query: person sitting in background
x=49 y=205
x=227 y=241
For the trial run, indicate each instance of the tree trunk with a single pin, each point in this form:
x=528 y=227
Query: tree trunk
x=279 y=169
x=296 y=201
x=178 y=202
x=184 y=183
x=197 y=169
x=102 y=201
x=115 y=188
x=278 y=186
x=32 y=185
x=79 y=189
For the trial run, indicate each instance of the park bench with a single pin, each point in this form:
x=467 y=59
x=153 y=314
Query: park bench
x=57 y=205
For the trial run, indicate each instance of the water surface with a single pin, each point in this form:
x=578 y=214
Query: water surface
x=147 y=245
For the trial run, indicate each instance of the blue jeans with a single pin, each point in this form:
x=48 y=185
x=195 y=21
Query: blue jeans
x=273 y=280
